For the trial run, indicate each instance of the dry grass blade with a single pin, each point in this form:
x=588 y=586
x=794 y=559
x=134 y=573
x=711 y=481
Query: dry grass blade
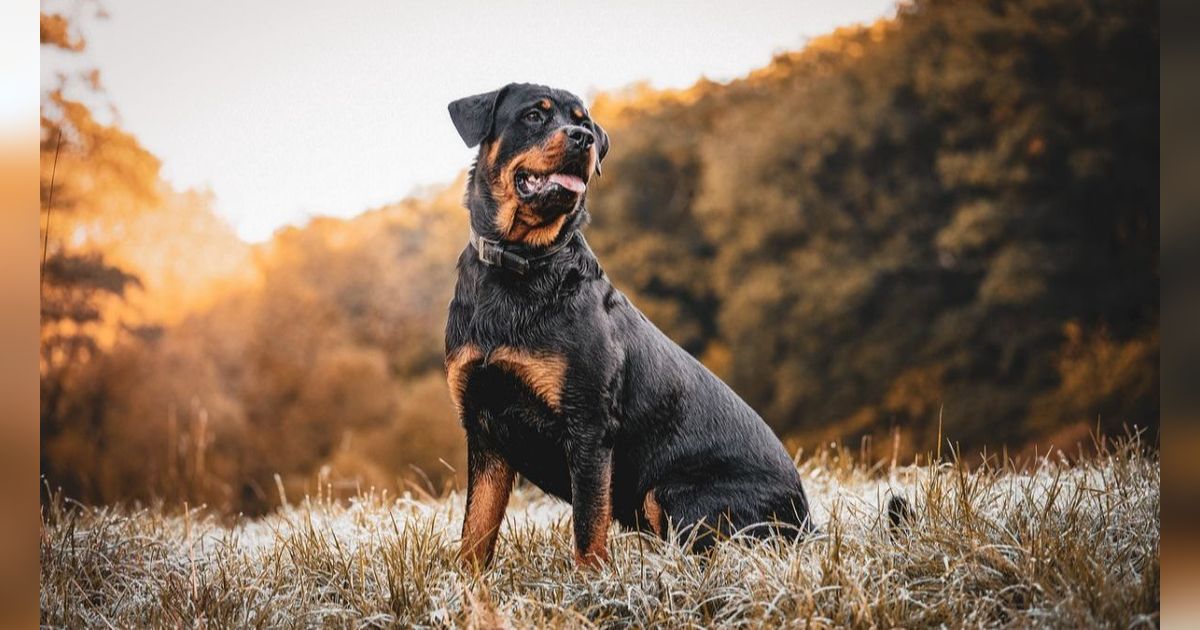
x=1059 y=544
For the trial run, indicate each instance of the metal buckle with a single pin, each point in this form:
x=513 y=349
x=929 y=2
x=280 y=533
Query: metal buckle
x=493 y=254
x=490 y=252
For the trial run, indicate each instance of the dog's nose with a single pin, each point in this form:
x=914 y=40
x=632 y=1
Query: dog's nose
x=580 y=136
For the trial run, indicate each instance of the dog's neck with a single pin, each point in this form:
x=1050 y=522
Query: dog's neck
x=496 y=254
x=516 y=256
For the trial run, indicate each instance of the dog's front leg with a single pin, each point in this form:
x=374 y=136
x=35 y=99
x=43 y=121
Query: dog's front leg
x=591 y=498
x=489 y=483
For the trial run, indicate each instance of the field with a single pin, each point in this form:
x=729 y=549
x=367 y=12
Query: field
x=1052 y=543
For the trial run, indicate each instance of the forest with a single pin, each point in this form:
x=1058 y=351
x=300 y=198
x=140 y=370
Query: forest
x=941 y=228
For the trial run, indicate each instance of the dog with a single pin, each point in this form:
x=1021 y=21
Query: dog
x=556 y=376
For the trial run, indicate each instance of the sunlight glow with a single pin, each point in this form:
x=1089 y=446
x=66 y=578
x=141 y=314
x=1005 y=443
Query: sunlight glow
x=287 y=110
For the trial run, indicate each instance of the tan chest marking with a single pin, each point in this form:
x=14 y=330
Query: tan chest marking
x=458 y=365
x=542 y=372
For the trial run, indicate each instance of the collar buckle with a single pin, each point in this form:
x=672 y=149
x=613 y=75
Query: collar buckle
x=490 y=252
x=493 y=253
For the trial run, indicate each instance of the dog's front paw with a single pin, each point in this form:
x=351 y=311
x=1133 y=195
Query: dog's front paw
x=593 y=559
x=473 y=559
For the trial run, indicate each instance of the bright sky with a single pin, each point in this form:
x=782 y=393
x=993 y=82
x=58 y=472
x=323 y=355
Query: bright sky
x=289 y=109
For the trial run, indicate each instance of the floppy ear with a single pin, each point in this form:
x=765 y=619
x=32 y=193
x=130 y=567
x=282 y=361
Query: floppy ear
x=473 y=115
x=601 y=144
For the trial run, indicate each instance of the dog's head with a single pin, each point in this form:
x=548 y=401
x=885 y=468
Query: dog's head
x=538 y=149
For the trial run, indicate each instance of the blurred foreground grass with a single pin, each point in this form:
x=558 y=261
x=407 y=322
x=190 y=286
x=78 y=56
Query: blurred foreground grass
x=1054 y=543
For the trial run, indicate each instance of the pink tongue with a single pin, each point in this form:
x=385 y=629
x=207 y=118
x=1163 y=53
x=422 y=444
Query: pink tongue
x=571 y=182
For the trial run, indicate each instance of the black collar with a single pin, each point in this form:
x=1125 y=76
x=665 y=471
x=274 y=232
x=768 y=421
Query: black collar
x=495 y=253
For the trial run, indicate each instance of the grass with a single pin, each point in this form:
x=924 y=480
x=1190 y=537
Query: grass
x=1052 y=543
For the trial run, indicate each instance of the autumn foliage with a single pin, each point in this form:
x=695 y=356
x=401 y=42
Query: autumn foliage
x=942 y=224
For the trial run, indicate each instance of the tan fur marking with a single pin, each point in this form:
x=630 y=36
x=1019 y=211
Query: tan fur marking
x=514 y=220
x=545 y=103
x=654 y=513
x=543 y=372
x=538 y=235
x=577 y=113
x=485 y=511
x=458 y=364
x=493 y=150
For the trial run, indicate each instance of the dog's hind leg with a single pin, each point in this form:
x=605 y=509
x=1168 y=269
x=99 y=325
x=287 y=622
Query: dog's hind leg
x=652 y=517
x=705 y=515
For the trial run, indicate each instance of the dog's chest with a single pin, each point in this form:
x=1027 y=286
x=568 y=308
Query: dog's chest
x=493 y=335
x=471 y=370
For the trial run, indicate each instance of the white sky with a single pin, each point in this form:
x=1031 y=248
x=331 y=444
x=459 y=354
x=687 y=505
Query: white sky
x=289 y=109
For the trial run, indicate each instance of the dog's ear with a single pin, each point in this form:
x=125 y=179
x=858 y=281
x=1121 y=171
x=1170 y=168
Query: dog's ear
x=473 y=116
x=601 y=144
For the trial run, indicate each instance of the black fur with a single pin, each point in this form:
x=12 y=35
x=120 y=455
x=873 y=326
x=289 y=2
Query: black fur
x=472 y=115
x=900 y=515
x=634 y=405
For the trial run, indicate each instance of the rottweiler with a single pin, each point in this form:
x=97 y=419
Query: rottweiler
x=558 y=377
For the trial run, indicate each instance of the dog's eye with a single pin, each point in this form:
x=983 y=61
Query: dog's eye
x=533 y=116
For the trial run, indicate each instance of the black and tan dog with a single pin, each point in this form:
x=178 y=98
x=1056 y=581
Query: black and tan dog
x=556 y=376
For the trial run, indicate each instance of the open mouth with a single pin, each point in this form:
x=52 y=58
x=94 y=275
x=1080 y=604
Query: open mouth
x=533 y=184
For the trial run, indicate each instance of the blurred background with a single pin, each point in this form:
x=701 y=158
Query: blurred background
x=940 y=218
